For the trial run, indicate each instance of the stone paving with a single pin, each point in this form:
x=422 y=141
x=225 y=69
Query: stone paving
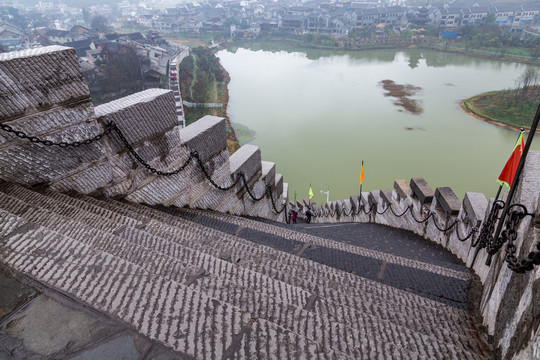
x=206 y=285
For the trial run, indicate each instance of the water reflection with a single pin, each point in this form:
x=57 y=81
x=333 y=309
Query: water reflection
x=318 y=113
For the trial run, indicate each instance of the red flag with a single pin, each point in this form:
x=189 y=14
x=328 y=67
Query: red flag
x=509 y=171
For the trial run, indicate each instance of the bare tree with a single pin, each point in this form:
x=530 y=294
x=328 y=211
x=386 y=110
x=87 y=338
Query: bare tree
x=528 y=81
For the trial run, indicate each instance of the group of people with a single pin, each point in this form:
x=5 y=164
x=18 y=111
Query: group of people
x=293 y=215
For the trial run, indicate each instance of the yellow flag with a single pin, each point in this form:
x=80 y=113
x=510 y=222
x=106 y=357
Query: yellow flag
x=362 y=172
x=310 y=192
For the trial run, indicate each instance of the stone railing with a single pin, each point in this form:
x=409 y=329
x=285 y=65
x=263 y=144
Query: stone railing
x=46 y=98
x=509 y=302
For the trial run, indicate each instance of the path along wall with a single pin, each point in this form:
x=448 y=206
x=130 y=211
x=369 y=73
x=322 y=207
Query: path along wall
x=43 y=95
x=510 y=302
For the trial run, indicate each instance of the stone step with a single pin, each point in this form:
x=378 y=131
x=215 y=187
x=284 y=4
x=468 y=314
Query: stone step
x=421 y=325
x=288 y=232
x=334 y=302
x=136 y=296
x=289 y=315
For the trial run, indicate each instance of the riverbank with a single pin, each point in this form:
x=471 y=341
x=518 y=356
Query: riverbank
x=435 y=46
x=502 y=108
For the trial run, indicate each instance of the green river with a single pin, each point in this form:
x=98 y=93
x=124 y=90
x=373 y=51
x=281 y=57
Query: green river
x=318 y=114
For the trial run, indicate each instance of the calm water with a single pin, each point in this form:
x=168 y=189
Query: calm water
x=317 y=115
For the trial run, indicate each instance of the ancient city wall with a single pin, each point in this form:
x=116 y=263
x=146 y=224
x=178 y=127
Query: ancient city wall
x=131 y=148
x=51 y=135
x=510 y=301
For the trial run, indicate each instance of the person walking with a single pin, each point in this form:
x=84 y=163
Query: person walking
x=294 y=215
x=309 y=214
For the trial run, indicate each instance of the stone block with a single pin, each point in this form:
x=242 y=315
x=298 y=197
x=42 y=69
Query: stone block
x=386 y=196
x=402 y=188
x=448 y=200
x=37 y=79
x=475 y=205
x=355 y=202
x=332 y=206
x=373 y=198
x=280 y=186
x=155 y=106
x=246 y=160
x=284 y=191
x=206 y=136
x=421 y=189
x=340 y=205
x=268 y=172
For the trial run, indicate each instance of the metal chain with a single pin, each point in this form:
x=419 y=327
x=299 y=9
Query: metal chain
x=488 y=228
x=510 y=234
x=402 y=214
x=421 y=221
x=444 y=230
x=111 y=126
x=385 y=210
x=62 y=144
x=471 y=233
x=494 y=245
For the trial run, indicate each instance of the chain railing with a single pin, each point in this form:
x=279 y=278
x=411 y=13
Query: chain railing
x=373 y=207
x=112 y=127
x=484 y=240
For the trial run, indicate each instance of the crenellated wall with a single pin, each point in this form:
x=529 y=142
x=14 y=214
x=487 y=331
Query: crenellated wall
x=510 y=302
x=44 y=96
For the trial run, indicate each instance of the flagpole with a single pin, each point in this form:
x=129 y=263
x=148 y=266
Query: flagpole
x=515 y=181
x=361 y=181
x=496 y=198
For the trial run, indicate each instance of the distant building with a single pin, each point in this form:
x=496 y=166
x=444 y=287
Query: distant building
x=11 y=37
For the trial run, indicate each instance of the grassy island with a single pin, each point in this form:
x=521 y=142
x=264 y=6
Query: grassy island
x=509 y=108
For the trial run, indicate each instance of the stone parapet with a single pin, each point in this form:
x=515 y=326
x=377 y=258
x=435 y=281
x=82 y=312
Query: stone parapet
x=205 y=136
x=53 y=104
x=35 y=80
x=401 y=188
x=507 y=299
x=447 y=200
x=421 y=190
x=246 y=160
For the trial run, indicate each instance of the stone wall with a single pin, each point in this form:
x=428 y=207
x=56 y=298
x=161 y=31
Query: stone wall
x=43 y=95
x=510 y=302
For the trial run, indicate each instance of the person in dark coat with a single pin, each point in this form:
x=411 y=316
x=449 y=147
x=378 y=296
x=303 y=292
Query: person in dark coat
x=309 y=214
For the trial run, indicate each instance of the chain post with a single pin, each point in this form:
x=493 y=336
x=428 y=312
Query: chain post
x=516 y=179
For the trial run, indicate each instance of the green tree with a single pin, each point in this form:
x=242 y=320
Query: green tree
x=101 y=24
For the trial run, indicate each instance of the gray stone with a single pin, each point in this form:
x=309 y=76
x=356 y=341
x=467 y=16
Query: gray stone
x=206 y=136
x=121 y=348
x=386 y=195
x=355 y=202
x=373 y=198
x=422 y=190
x=402 y=188
x=246 y=160
x=280 y=186
x=46 y=327
x=447 y=200
x=475 y=205
x=268 y=172
x=12 y=294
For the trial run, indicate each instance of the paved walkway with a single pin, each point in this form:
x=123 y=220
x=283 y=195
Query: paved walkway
x=102 y=279
x=450 y=290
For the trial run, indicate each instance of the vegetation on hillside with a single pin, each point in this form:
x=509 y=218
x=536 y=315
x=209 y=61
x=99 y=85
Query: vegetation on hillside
x=514 y=108
x=121 y=75
x=204 y=80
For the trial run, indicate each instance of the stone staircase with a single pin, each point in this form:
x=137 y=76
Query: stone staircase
x=215 y=286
